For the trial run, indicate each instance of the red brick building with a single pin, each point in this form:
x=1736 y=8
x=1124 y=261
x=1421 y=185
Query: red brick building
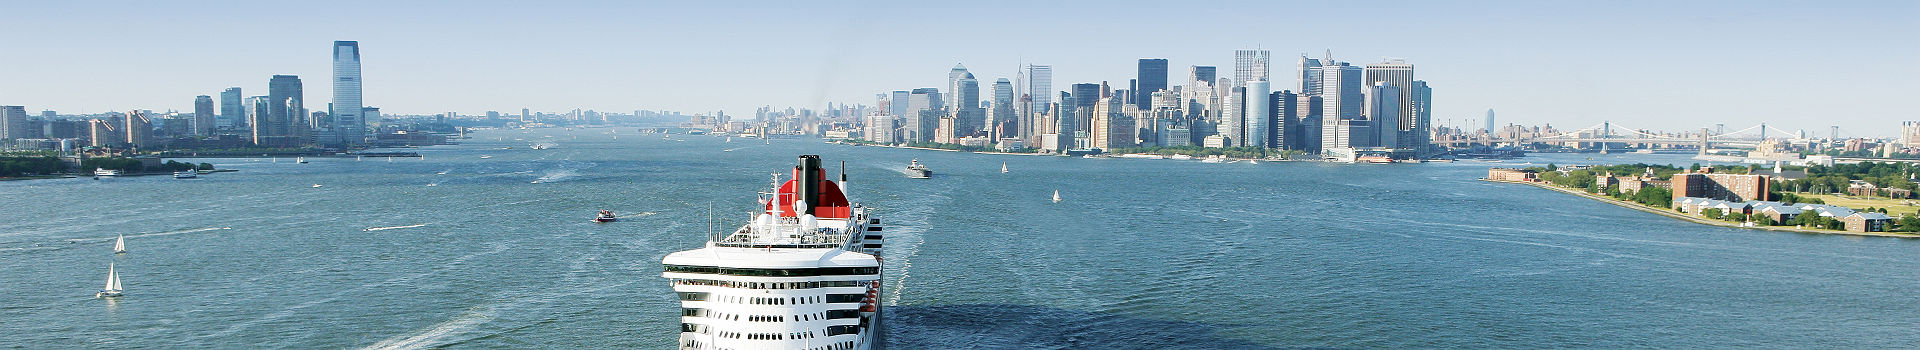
x=1727 y=187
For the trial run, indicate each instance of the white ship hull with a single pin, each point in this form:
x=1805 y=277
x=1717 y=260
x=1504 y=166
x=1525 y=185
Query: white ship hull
x=805 y=274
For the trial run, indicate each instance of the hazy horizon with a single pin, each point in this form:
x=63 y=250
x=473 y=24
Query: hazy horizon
x=1795 y=65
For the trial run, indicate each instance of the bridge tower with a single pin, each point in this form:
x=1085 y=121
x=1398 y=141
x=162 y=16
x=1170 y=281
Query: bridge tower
x=1703 y=140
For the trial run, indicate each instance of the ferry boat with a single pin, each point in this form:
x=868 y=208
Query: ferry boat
x=804 y=274
x=186 y=174
x=917 y=171
x=105 y=172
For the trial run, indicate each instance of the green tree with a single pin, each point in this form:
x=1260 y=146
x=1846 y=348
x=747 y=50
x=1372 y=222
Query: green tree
x=1763 y=220
x=1711 y=213
x=206 y=166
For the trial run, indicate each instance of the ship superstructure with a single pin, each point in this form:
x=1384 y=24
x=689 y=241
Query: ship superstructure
x=803 y=274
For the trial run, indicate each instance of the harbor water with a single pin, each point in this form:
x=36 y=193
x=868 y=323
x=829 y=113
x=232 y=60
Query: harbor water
x=452 y=250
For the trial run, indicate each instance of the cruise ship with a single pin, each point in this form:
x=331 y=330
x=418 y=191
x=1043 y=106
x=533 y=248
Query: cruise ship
x=804 y=274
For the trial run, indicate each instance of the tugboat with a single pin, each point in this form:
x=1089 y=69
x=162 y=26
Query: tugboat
x=605 y=216
x=917 y=171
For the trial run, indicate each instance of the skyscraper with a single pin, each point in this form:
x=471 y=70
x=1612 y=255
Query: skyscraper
x=953 y=87
x=260 y=116
x=1250 y=65
x=1004 y=118
x=13 y=122
x=139 y=129
x=1341 y=92
x=1198 y=94
x=1284 y=132
x=1422 y=116
x=286 y=104
x=349 y=125
x=1257 y=113
x=924 y=109
x=233 y=114
x=1490 y=122
x=1399 y=74
x=1036 y=96
x=1152 y=76
x=1085 y=97
x=1383 y=110
x=1309 y=76
x=203 y=123
x=967 y=116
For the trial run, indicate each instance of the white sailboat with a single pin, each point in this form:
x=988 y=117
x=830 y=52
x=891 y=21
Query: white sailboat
x=1056 y=196
x=120 y=244
x=1003 y=167
x=113 y=284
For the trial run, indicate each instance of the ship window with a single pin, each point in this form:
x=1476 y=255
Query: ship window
x=844 y=298
x=693 y=296
x=840 y=314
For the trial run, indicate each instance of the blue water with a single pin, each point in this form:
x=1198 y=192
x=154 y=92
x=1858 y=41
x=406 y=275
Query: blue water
x=1142 y=254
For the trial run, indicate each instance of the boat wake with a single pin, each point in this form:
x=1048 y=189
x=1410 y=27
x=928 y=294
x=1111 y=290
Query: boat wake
x=433 y=335
x=371 y=229
x=557 y=176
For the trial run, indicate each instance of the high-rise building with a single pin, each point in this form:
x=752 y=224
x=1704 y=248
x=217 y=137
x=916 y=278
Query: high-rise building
x=922 y=116
x=1399 y=74
x=286 y=107
x=1383 y=110
x=349 y=126
x=1250 y=65
x=953 y=87
x=968 y=118
x=13 y=122
x=104 y=132
x=1005 y=120
x=233 y=114
x=1284 y=132
x=1422 y=116
x=1490 y=128
x=260 y=117
x=1341 y=92
x=203 y=123
x=139 y=129
x=1035 y=97
x=1233 y=116
x=1309 y=76
x=1152 y=76
x=1910 y=134
x=1257 y=119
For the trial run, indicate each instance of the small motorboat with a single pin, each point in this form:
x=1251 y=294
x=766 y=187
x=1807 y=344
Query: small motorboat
x=605 y=216
x=186 y=174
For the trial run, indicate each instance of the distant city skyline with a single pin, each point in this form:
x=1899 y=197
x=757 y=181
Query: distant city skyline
x=1687 y=66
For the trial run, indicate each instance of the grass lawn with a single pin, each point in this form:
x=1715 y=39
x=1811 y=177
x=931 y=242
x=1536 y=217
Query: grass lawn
x=1894 y=206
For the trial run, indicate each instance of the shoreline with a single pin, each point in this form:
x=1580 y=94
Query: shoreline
x=1644 y=208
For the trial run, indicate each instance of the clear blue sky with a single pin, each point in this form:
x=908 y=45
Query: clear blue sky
x=1655 y=64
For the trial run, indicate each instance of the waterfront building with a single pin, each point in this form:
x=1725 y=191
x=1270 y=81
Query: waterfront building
x=233 y=113
x=104 y=133
x=1729 y=187
x=1341 y=91
x=1867 y=222
x=1512 y=174
x=1151 y=76
x=1250 y=65
x=286 y=116
x=967 y=115
x=1344 y=134
x=923 y=114
x=882 y=128
x=1036 y=97
x=1383 y=110
x=1004 y=119
x=1422 y=105
x=260 y=118
x=139 y=129
x=348 y=125
x=1257 y=115
x=1399 y=75
x=1284 y=130
x=203 y=116
x=13 y=122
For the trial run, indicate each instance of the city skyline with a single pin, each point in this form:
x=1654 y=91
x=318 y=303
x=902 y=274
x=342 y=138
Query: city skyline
x=1569 y=65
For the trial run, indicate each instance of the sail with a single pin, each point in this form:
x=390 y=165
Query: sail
x=120 y=244
x=113 y=278
x=1003 y=167
x=1056 y=195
